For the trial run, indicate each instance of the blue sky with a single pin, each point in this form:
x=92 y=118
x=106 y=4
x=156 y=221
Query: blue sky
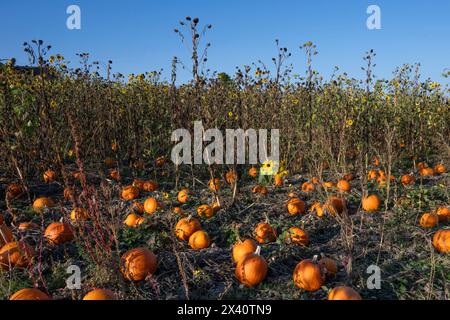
x=138 y=35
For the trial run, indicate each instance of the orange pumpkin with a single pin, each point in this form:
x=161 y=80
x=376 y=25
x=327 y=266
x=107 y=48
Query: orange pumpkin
x=329 y=266
x=429 y=220
x=307 y=187
x=443 y=214
x=372 y=175
x=16 y=254
x=138 y=207
x=130 y=193
x=440 y=169
x=14 y=190
x=260 y=189
x=231 y=177
x=308 y=275
x=69 y=193
x=150 y=186
x=186 y=227
x=6 y=235
x=100 y=294
x=59 y=232
x=199 y=240
x=441 y=241
x=425 y=172
x=183 y=196
x=371 y=203
x=138 y=183
x=264 y=233
x=241 y=249
x=24 y=226
x=422 y=165
x=253 y=172
x=49 y=176
x=407 y=179
x=137 y=264
x=335 y=205
x=318 y=208
x=278 y=180
x=214 y=184
x=343 y=293
x=376 y=161
x=40 y=204
x=343 y=186
x=29 y=294
x=151 y=205
x=252 y=269
x=178 y=210
x=297 y=236
x=328 y=185
x=79 y=214
x=133 y=220
x=295 y=206
x=315 y=180
x=205 y=211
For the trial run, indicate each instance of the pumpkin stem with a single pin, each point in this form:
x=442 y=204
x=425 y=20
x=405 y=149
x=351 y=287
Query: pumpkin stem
x=315 y=258
x=258 y=250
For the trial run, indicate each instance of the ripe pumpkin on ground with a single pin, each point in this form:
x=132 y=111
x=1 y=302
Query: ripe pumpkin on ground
x=318 y=209
x=260 y=189
x=79 y=214
x=407 y=179
x=29 y=294
x=307 y=187
x=199 y=240
x=241 y=249
x=24 y=226
x=40 y=204
x=59 y=232
x=308 y=275
x=429 y=220
x=252 y=269
x=295 y=206
x=372 y=175
x=138 y=207
x=297 y=236
x=49 y=176
x=133 y=220
x=130 y=193
x=14 y=190
x=6 y=235
x=186 y=227
x=264 y=233
x=328 y=185
x=137 y=264
x=183 y=196
x=231 y=177
x=178 y=210
x=150 y=205
x=214 y=184
x=329 y=265
x=443 y=214
x=150 y=186
x=426 y=172
x=100 y=294
x=16 y=254
x=343 y=186
x=343 y=293
x=335 y=205
x=371 y=203
x=253 y=172
x=205 y=211
x=277 y=180
x=138 y=183
x=441 y=241
x=440 y=169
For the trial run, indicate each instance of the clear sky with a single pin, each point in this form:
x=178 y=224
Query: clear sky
x=138 y=34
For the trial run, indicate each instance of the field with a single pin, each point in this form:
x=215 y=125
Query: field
x=86 y=175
